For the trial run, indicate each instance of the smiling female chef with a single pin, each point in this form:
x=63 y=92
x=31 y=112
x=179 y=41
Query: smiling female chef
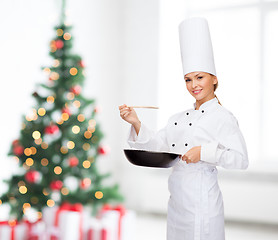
x=206 y=136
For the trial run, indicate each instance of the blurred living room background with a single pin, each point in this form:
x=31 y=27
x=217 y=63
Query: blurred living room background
x=132 y=56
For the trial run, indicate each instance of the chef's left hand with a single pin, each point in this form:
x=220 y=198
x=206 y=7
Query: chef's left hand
x=193 y=155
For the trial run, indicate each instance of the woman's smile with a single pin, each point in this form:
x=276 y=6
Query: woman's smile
x=197 y=91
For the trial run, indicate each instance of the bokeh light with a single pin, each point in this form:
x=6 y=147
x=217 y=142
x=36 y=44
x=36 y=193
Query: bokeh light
x=44 y=145
x=45 y=192
x=27 y=151
x=41 y=111
x=38 y=141
x=86 y=164
x=87 y=134
x=25 y=166
x=92 y=122
x=54 y=76
x=56 y=63
x=98 y=194
x=70 y=96
x=65 y=191
x=44 y=162
x=26 y=205
x=81 y=118
x=36 y=134
x=22 y=189
x=60 y=122
x=34 y=150
x=91 y=129
x=67 y=36
x=50 y=203
x=58 y=170
x=70 y=144
x=73 y=71
x=75 y=129
x=50 y=99
x=76 y=103
x=20 y=183
x=59 y=32
x=86 y=146
x=46 y=70
x=29 y=162
x=64 y=150
x=65 y=116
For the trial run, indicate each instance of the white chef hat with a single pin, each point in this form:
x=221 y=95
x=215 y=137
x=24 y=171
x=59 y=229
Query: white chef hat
x=196 y=46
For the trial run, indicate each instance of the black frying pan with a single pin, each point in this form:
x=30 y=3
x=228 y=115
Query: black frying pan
x=151 y=159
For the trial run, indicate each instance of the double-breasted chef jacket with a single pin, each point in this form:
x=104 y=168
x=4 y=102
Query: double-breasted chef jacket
x=195 y=206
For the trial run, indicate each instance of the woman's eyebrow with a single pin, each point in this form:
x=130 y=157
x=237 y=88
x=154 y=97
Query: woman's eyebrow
x=195 y=76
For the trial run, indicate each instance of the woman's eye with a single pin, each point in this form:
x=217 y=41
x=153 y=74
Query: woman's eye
x=200 y=77
x=187 y=80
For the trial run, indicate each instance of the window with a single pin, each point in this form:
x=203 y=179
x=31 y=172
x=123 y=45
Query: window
x=244 y=36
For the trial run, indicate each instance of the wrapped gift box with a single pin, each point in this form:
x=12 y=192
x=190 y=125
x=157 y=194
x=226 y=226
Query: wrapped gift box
x=13 y=231
x=64 y=222
x=36 y=231
x=22 y=231
x=98 y=230
x=113 y=224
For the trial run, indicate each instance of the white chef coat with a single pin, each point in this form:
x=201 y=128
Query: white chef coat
x=195 y=206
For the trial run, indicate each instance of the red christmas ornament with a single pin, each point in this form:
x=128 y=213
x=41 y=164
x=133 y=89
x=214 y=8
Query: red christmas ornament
x=52 y=129
x=85 y=183
x=56 y=185
x=59 y=44
x=32 y=176
x=18 y=150
x=103 y=150
x=73 y=161
x=15 y=142
x=66 y=110
x=81 y=64
x=76 y=89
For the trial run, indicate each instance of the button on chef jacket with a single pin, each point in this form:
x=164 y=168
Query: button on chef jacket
x=195 y=206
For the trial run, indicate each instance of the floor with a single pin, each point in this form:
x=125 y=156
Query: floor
x=151 y=227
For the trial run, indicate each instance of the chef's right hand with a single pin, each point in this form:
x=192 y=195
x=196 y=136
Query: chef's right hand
x=128 y=114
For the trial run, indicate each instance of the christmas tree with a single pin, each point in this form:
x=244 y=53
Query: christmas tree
x=60 y=141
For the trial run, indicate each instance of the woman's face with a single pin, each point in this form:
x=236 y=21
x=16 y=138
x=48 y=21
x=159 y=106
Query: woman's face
x=200 y=85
